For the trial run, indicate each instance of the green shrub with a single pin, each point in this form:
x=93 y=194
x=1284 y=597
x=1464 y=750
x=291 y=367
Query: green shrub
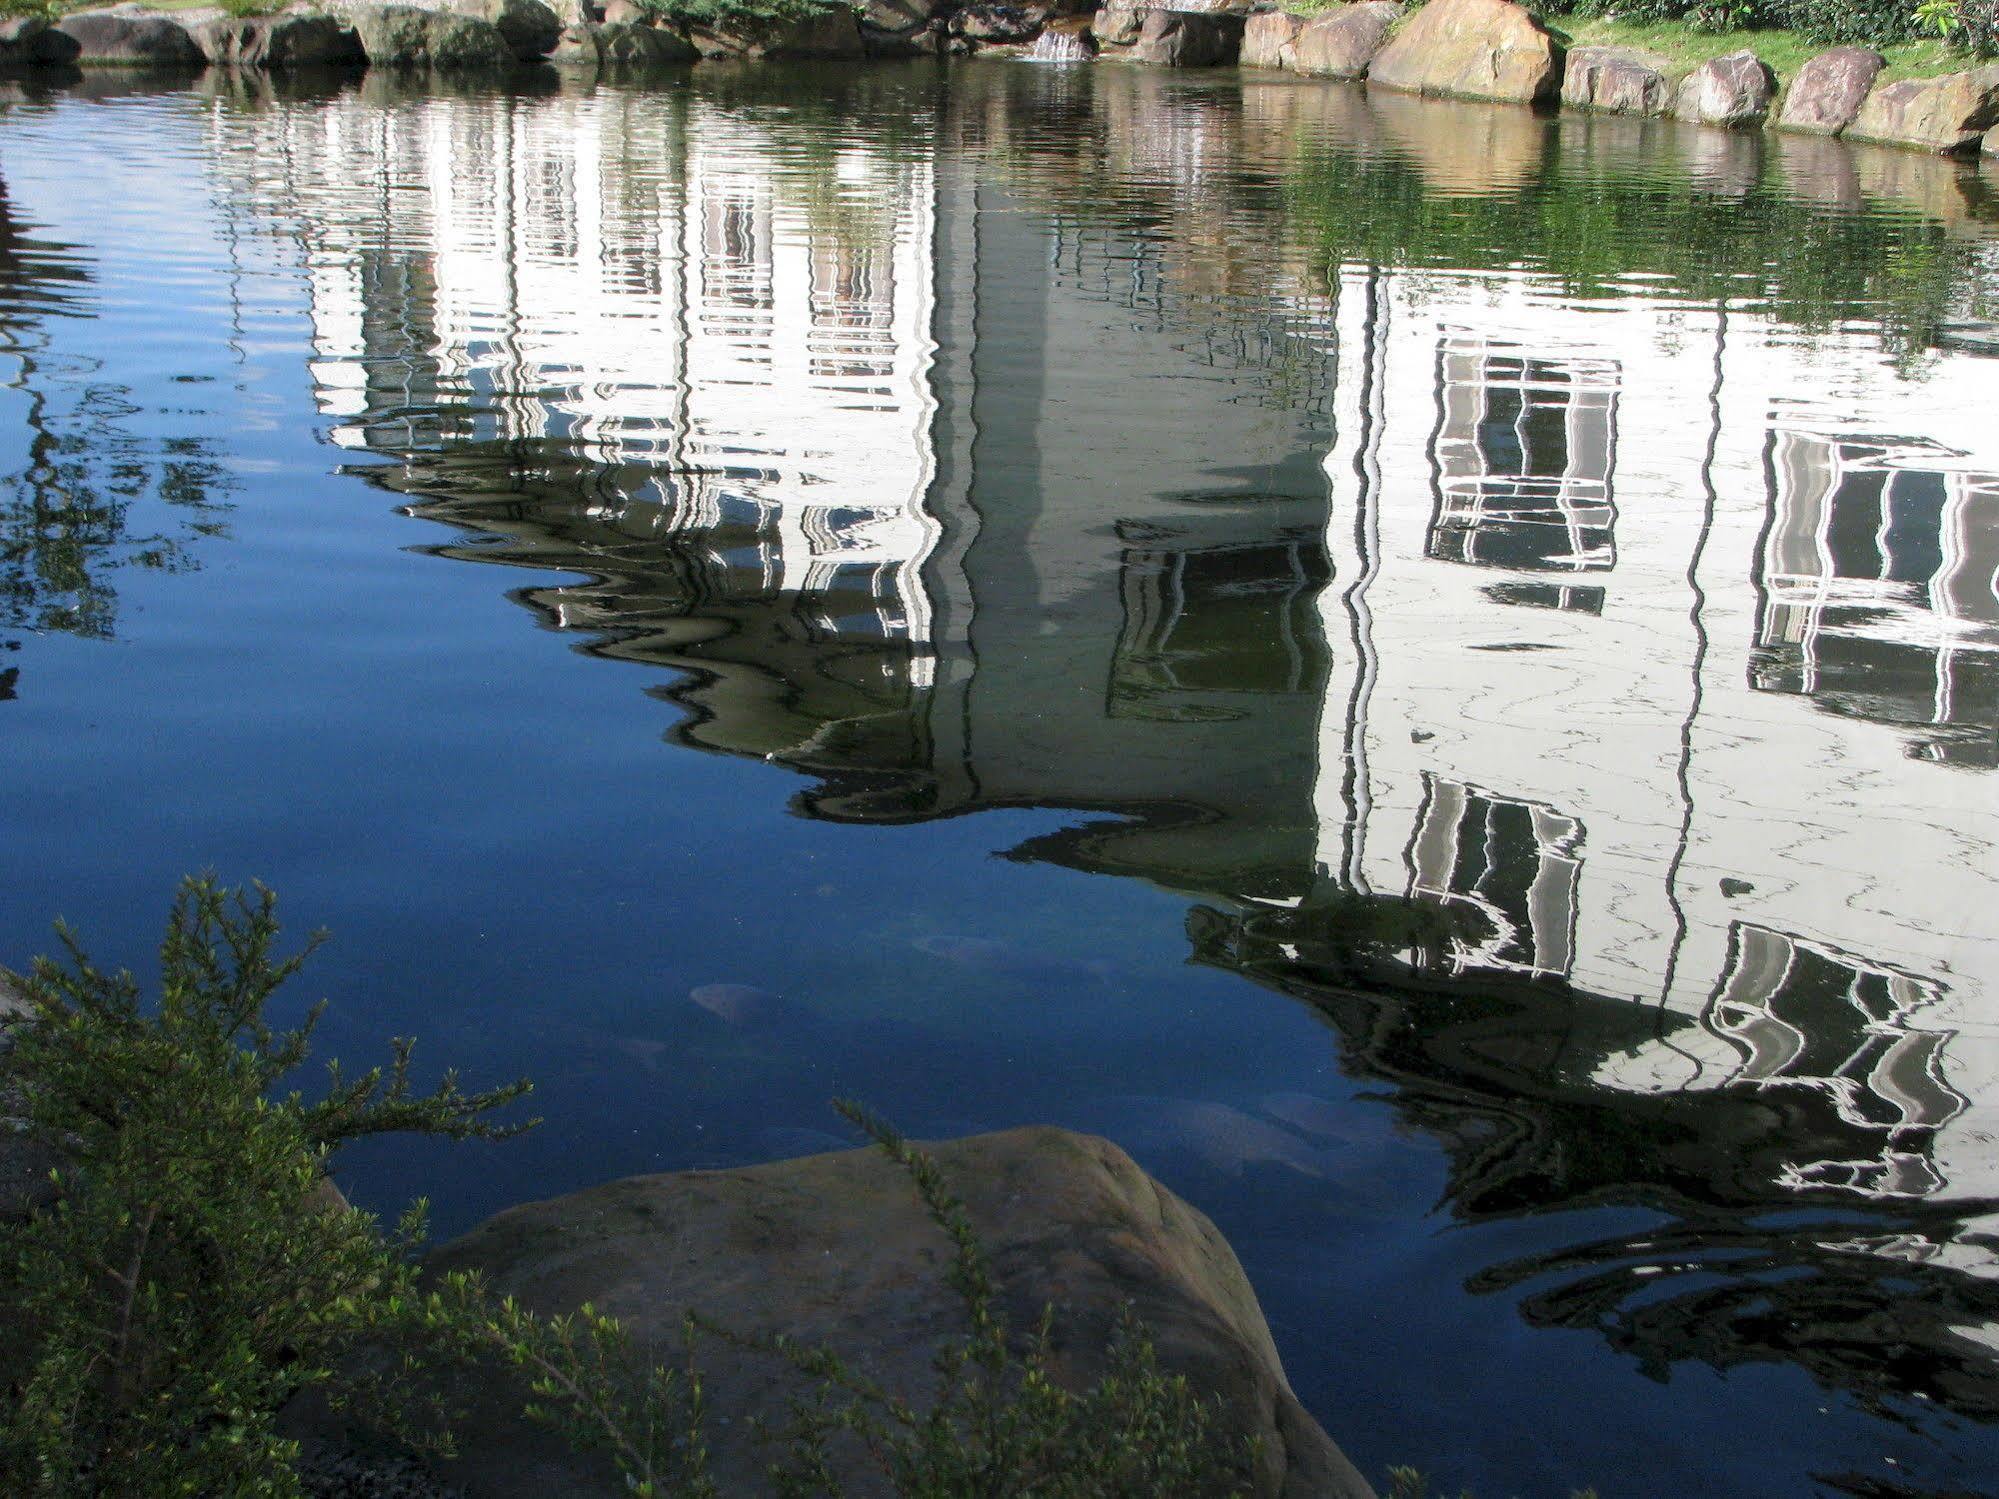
x=195 y=1272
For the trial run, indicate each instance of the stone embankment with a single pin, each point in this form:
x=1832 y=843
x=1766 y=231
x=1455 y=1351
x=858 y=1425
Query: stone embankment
x=1498 y=51
x=1491 y=50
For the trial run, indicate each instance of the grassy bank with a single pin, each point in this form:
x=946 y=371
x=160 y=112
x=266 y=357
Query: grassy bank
x=1676 y=47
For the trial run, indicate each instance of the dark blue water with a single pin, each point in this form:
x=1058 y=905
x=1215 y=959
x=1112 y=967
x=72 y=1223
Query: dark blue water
x=1432 y=673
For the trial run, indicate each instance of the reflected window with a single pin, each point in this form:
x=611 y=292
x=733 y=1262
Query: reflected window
x=1517 y=864
x=1522 y=459
x=1805 y=1015
x=1216 y=619
x=1878 y=589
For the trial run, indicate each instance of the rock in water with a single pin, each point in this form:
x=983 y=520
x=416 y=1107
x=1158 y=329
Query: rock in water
x=1614 y=82
x=529 y=27
x=131 y=39
x=404 y=36
x=31 y=42
x=280 y=43
x=1189 y=39
x=835 y=1249
x=1827 y=93
x=1472 y=49
x=1948 y=114
x=746 y=1006
x=1343 y=42
x=1733 y=92
x=1267 y=38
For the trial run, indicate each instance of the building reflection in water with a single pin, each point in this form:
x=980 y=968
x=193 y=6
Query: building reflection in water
x=1585 y=705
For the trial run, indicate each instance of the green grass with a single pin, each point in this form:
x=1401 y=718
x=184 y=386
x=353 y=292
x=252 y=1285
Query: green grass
x=1676 y=48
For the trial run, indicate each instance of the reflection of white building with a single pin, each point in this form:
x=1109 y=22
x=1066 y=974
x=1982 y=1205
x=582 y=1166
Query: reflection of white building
x=761 y=338
x=1654 y=653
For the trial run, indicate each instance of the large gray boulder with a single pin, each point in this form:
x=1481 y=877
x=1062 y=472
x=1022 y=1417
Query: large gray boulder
x=1472 y=49
x=1732 y=92
x=280 y=43
x=834 y=1249
x=1948 y=114
x=130 y=38
x=1829 y=89
x=31 y=42
x=1189 y=39
x=1267 y=38
x=1344 y=42
x=1614 y=82
x=898 y=28
x=529 y=27
x=404 y=36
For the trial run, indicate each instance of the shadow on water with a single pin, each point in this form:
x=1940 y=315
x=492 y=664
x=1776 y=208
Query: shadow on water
x=1504 y=573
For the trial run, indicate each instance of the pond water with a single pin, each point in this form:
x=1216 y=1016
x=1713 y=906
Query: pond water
x=1434 y=673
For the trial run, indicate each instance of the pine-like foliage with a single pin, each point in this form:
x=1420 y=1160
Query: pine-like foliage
x=195 y=1270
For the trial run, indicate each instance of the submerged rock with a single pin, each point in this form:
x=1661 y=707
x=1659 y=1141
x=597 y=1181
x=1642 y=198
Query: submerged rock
x=131 y=38
x=1472 y=49
x=280 y=43
x=746 y=1006
x=1733 y=92
x=835 y=1249
x=1948 y=114
x=1827 y=93
x=1614 y=82
x=1343 y=43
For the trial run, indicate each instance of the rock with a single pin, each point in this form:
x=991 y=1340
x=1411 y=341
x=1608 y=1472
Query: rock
x=402 y=36
x=529 y=27
x=1946 y=114
x=1267 y=38
x=834 y=33
x=31 y=42
x=577 y=46
x=1603 y=78
x=623 y=13
x=1733 y=92
x=1118 y=24
x=1992 y=144
x=131 y=39
x=997 y=23
x=1472 y=49
x=743 y=1004
x=1343 y=43
x=1189 y=39
x=1829 y=90
x=618 y=44
x=279 y=43
x=897 y=28
x=834 y=1249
